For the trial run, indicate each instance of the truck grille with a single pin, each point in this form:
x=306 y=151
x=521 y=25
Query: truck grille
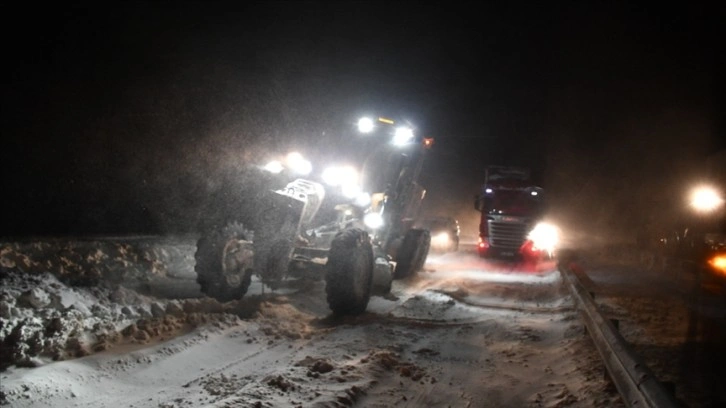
x=507 y=235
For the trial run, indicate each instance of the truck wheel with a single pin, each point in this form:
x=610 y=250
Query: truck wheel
x=413 y=253
x=224 y=260
x=349 y=272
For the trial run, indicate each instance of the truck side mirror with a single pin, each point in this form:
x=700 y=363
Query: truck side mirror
x=477 y=202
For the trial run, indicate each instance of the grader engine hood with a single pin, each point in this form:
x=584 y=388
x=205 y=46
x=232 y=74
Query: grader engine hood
x=278 y=210
x=300 y=198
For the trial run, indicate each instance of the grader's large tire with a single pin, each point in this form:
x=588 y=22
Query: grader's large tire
x=412 y=254
x=224 y=262
x=423 y=252
x=349 y=272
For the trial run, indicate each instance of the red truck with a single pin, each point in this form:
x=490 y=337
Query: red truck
x=512 y=208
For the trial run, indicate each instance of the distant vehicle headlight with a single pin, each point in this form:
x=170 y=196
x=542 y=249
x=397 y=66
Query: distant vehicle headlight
x=441 y=239
x=705 y=199
x=718 y=262
x=373 y=220
x=544 y=236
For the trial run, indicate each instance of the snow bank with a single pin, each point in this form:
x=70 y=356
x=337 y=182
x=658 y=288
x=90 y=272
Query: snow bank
x=61 y=300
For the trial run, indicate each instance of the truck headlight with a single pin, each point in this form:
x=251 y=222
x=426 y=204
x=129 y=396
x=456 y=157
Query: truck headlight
x=373 y=220
x=544 y=236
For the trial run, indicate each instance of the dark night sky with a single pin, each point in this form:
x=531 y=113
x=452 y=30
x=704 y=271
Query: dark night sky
x=123 y=116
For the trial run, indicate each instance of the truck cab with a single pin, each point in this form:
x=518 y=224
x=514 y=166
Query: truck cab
x=512 y=209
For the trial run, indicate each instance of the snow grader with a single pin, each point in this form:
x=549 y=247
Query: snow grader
x=354 y=232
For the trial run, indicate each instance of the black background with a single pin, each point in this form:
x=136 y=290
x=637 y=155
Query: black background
x=123 y=117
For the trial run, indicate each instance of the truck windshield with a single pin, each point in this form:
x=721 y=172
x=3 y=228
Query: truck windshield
x=513 y=202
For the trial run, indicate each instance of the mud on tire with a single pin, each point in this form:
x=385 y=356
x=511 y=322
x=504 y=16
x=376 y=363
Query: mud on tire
x=413 y=252
x=224 y=260
x=349 y=272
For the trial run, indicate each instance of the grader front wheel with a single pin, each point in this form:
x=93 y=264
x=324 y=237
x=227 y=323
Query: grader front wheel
x=349 y=272
x=224 y=262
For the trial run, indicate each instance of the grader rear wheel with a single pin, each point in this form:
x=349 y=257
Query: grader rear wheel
x=412 y=254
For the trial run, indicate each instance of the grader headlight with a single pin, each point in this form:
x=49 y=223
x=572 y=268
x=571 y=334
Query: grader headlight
x=373 y=220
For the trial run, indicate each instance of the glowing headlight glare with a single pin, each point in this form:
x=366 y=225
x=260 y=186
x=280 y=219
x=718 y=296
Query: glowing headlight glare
x=402 y=136
x=362 y=199
x=274 y=166
x=348 y=176
x=442 y=238
x=718 y=262
x=330 y=176
x=705 y=199
x=340 y=176
x=298 y=163
x=544 y=236
x=350 y=190
x=373 y=220
x=365 y=125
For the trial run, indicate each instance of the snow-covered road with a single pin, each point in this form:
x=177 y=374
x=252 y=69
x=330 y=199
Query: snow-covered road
x=463 y=333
